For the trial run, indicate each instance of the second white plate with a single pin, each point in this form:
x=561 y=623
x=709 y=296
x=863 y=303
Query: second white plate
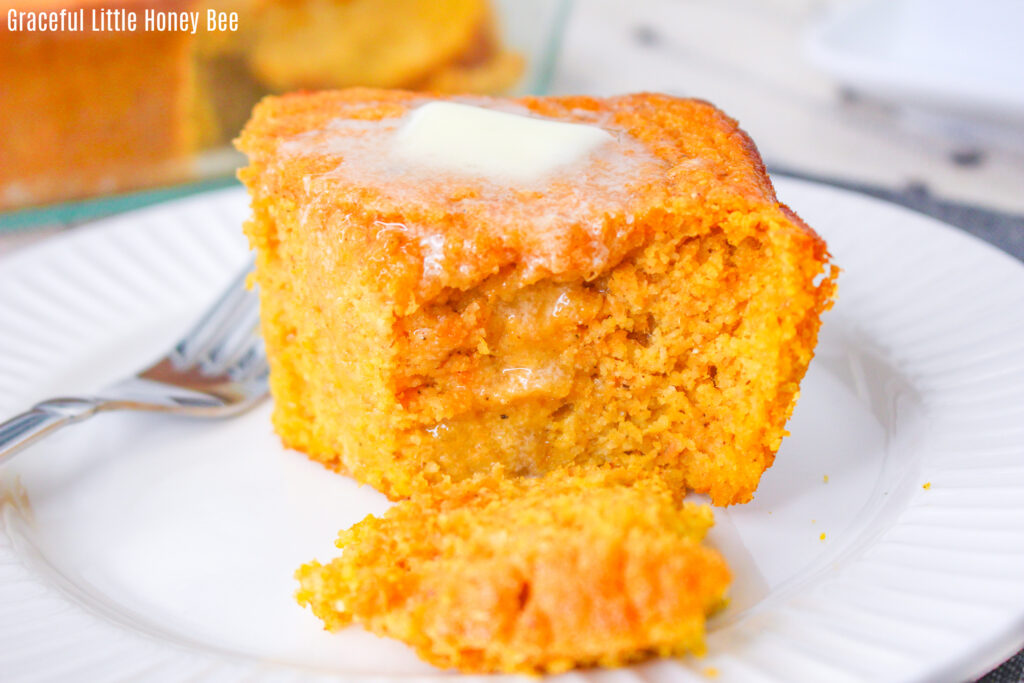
x=948 y=56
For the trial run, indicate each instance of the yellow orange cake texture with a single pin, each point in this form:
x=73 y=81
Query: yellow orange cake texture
x=653 y=307
x=540 y=366
x=595 y=567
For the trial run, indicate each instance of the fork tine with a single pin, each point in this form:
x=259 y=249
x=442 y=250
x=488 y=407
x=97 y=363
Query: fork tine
x=235 y=340
x=230 y=377
x=215 y=323
x=252 y=365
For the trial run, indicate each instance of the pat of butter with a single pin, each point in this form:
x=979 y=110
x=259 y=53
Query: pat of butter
x=495 y=144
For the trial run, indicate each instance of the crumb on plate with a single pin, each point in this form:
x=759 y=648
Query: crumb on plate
x=595 y=568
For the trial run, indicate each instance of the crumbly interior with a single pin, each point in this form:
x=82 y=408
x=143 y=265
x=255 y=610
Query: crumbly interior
x=686 y=356
x=596 y=567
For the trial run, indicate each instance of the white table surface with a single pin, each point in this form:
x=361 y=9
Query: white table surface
x=747 y=57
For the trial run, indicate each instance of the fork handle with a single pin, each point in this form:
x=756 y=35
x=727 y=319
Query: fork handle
x=42 y=419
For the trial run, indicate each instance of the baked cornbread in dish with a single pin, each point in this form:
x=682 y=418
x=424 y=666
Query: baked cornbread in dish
x=444 y=45
x=89 y=111
x=528 y=575
x=651 y=305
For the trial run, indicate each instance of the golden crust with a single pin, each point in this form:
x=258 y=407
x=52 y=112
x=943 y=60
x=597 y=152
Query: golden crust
x=595 y=567
x=709 y=163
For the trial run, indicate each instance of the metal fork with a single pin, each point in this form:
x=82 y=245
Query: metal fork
x=218 y=369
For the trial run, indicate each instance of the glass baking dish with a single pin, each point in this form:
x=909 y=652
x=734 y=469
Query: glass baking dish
x=96 y=118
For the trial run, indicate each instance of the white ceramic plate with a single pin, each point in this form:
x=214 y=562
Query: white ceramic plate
x=964 y=58
x=152 y=548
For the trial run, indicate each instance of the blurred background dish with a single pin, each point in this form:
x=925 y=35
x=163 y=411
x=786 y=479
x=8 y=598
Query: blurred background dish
x=951 y=70
x=964 y=59
x=85 y=112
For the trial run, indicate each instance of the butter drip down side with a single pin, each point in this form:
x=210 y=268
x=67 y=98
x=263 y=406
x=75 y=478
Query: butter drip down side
x=569 y=213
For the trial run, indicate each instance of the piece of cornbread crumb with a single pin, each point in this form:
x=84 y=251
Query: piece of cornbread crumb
x=528 y=575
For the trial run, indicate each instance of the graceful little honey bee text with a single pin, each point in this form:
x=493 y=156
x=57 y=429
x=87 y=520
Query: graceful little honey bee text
x=117 y=20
